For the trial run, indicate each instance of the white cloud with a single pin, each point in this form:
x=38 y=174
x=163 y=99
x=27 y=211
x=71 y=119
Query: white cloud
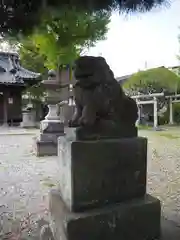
x=140 y=38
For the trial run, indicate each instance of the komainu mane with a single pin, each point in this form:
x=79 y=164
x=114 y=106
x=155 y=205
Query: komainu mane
x=102 y=108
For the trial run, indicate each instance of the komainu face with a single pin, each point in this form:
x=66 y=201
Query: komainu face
x=90 y=71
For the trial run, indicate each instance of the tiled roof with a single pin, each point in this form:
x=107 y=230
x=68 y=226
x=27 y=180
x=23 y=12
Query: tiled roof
x=11 y=72
x=20 y=77
x=26 y=74
x=9 y=78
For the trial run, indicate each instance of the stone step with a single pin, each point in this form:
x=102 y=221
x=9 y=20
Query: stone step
x=169 y=231
x=138 y=219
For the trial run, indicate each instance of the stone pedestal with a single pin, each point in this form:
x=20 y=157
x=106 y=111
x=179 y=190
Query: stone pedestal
x=136 y=219
x=28 y=119
x=57 y=89
x=50 y=129
x=102 y=191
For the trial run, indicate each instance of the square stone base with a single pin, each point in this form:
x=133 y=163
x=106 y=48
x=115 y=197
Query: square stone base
x=28 y=124
x=50 y=137
x=98 y=173
x=46 y=148
x=47 y=145
x=138 y=219
x=52 y=126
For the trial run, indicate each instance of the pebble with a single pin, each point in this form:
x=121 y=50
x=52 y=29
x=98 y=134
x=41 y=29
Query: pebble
x=24 y=180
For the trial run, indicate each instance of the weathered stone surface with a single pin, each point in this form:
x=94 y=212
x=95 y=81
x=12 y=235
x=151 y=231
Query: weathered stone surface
x=169 y=230
x=46 y=144
x=46 y=148
x=105 y=130
x=52 y=127
x=103 y=110
x=29 y=120
x=67 y=111
x=96 y=173
x=53 y=137
x=137 y=219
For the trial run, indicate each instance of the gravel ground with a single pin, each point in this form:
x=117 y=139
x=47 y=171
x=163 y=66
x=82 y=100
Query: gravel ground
x=25 y=183
x=26 y=180
x=164 y=170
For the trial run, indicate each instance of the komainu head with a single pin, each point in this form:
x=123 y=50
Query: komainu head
x=90 y=70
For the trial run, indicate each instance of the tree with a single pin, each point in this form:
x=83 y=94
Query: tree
x=22 y=16
x=32 y=60
x=59 y=40
x=64 y=34
x=153 y=80
x=179 y=53
x=30 y=57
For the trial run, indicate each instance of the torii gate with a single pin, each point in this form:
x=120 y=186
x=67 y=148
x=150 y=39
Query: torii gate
x=172 y=99
x=153 y=101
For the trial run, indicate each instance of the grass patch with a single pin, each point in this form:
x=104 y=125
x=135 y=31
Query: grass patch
x=168 y=135
x=47 y=182
x=144 y=127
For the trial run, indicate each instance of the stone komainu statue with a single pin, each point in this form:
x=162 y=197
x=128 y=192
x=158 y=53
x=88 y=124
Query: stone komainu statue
x=102 y=108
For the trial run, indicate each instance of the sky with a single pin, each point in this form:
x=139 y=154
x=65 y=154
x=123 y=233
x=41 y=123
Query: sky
x=142 y=41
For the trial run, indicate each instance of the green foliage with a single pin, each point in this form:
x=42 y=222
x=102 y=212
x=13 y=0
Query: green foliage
x=178 y=57
x=65 y=33
x=176 y=112
x=164 y=119
x=35 y=92
x=153 y=80
x=30 y=57
x=176 y=115
x=32 y=60
x=22 y=16
x=59 y=40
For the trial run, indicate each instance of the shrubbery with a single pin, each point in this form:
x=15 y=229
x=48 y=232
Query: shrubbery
x=176 y=112
x=176 y=115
